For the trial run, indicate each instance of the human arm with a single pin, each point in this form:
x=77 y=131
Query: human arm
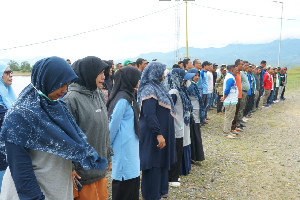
x=116 y=118
x=20 y=166
x=229 y=83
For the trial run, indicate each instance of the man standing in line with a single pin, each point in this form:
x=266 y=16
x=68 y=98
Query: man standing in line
x=268 y=84
x=219 y=89
x=203 y=74
x=284 y=83
x=237 y=124
x=263 y=65
x=257 y=72
x=141 y=64
x=187 y=64
x=245 y=88
x=210 y=86
x=197 y=65
x=230 y=99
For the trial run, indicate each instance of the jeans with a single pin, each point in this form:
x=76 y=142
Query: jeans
x=271 y=97
x=209 y=100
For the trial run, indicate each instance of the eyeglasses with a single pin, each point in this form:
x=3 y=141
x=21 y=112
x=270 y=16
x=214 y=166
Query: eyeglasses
x=8 y=72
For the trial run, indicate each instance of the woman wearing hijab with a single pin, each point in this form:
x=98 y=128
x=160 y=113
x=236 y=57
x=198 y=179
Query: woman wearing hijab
x=87 y=104
x=7 y=97
x=157 y=139
x=174 y=83
x=109 y=80
x=197 y=153
x=123 y=111
x=40 y=137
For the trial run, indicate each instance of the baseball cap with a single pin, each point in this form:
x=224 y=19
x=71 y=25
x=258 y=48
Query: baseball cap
x=126 y=62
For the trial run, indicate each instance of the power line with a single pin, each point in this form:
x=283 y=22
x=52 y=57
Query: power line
x=90 y=31
x=240 y=13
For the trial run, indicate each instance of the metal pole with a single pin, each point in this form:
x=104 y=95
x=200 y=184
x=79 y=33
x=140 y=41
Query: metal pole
x=280 y=34
x=186 y=30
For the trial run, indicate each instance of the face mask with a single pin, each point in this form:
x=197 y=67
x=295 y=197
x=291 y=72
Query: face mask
x=42 y=94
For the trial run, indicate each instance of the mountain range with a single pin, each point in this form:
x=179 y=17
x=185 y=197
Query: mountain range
x=254 y=53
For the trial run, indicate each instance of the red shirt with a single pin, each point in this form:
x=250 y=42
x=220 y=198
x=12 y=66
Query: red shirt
x=268 y=81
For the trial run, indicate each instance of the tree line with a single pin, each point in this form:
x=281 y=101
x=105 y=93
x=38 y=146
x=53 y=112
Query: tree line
x=23 y=67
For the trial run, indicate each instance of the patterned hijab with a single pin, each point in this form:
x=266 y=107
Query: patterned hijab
x=194 y=91
x=38 y=123
x=173 y=80
x=6 y=92
x=151 y=87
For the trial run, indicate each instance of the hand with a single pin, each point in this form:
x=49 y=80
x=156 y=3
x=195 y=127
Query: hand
x=74 y=174
x=161 y=141
x=222 y=99
x=109 y=166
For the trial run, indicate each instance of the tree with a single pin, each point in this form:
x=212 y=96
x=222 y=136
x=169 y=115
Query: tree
x=25 y=67
x=13 y=65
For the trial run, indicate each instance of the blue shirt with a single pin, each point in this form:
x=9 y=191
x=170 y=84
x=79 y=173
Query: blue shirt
x=200 y=85
x=203 y=75
x=125 y=143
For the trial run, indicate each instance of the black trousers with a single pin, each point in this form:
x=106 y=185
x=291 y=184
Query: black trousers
x=219 y=104
x=234 y=122
x=249 y=105
x=126 y=190
x=175 y=168
x=282 y=94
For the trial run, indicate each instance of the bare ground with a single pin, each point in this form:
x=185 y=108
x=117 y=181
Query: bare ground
x=262 y=163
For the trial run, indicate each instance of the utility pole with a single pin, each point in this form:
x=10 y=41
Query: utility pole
x=186 y=29
x=279 y=48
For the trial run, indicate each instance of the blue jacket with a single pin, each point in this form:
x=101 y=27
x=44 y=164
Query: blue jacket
x=203 y=75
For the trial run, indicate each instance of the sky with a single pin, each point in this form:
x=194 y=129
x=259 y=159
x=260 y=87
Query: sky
x=118 y=36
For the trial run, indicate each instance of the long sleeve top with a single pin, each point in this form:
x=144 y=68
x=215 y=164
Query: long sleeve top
x=245 y=81
x=124 y=141
x=203 y=75
x=230 y=89
x=210 y=81
x=156 y=120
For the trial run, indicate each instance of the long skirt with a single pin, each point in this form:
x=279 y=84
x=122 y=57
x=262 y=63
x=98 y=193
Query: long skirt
x=175 y=168
x=154 y=183
x=126 y=190
x=197 y=153
x=186 y=167
x=96 y=191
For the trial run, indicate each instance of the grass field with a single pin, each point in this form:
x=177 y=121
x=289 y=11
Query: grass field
x=293 y=79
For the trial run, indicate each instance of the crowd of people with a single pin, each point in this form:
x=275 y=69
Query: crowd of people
x=76 y=122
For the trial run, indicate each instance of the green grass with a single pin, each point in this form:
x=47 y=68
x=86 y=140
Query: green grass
x=293 y=79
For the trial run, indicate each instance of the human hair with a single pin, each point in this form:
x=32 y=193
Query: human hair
x=230 y=67
x=263 y=62
x=237 y=62
x=175 y=66
x=205 y=63
x=194 y=62
x=139 y=61
x=179 y=62
x=185 y=62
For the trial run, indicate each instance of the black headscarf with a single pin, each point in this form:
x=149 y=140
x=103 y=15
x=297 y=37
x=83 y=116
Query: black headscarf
x=87 y=69
x=125 y=81
x=108 y=82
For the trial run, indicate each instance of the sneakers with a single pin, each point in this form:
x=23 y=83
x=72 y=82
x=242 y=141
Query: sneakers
x=235 y=132
x=231 y=136
x=179 y=179
x=239 y=129
x=174 y=184
x=244 y=119
x=266 y=106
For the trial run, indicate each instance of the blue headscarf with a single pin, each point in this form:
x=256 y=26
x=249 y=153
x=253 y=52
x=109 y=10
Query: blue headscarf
x=193 y=90
x=37 y=123
x=151 y=87
x=6 y=92
x=173 y=80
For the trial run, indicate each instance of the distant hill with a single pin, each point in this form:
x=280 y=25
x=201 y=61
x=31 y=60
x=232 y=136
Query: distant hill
x=254 y=53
